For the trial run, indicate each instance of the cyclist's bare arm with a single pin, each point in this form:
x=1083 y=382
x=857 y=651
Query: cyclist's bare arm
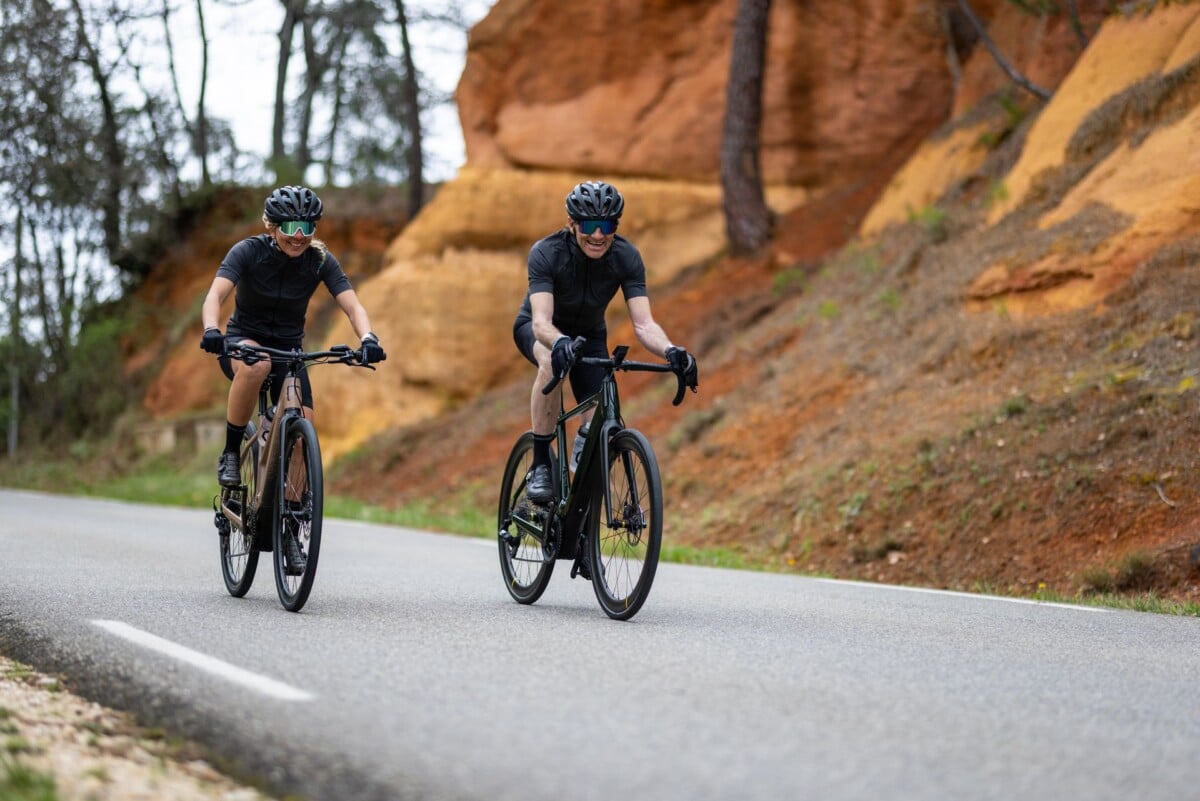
x=647 y=331
x=541 y=305
x=210 y=312
x=350 y=305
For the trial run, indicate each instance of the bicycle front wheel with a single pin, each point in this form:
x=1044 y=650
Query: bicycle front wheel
x=299 y=509
x=526 y=550
x=239 y=556
x=625 y=539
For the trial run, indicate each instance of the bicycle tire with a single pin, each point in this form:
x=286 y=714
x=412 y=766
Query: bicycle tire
x=300 y=479
x=624 y=556
x=524 y=562
x=239 y=554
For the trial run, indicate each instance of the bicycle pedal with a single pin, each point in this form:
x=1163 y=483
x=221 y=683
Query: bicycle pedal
x=580 y=568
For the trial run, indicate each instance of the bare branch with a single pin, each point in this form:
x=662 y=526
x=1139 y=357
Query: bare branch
x=999 y=58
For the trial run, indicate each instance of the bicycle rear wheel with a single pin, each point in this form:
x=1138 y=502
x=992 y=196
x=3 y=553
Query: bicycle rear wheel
x=239 y=556
x=526 y=551
x=299 y=510
x=624 y=542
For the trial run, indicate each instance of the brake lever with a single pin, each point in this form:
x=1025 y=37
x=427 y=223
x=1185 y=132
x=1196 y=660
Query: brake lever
x=680 y=390
x=577 y=343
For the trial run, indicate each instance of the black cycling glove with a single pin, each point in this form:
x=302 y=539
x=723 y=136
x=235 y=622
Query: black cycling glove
x=372 y=351
x=684 y=364
x=562 y=356
x=213 y=341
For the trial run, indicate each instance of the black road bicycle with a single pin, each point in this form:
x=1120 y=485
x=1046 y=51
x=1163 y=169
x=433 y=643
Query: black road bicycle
x=279 y=506
x=607 y=519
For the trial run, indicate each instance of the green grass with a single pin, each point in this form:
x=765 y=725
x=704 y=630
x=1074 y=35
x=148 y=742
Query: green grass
x=708 y=557
x=1144 y=602
x=452 y=518
x=19 y=782
x=190 y=481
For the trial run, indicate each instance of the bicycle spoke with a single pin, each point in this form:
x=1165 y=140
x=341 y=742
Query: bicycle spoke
x=526 y=552
x=239 y=556
x=627 y=537
x=298 y=515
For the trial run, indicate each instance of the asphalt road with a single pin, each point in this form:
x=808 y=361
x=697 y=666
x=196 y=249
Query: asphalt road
x=411 y=674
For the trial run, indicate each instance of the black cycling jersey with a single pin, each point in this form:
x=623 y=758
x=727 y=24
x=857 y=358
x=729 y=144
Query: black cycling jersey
x=582 y=287
x=273 y=290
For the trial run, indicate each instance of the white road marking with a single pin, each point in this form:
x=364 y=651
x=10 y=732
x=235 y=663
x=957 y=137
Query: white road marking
x=224 y=670
x=932 y=591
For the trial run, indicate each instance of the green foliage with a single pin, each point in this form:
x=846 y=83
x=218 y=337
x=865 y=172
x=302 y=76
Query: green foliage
x=851 y=509
x=1038 y=8
x=19 y=782
x=77 y=396
x=789 y=279
x=933 y=220
x=1133 y=572
x=1015 y=405
x=890 y=299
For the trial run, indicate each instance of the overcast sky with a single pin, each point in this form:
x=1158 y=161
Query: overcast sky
x=243 y=54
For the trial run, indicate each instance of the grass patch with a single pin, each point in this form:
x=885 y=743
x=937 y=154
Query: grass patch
x=19 y=782
x=1141 y=602
x=707 y=557
x=189 y=480
x=454 y=518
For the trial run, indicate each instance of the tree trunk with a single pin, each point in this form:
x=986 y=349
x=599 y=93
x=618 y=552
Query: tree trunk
x=201 y=116
x=110 y=142
x=412 y=99
x=14 y=370
x=747 y=218
x=293 y=11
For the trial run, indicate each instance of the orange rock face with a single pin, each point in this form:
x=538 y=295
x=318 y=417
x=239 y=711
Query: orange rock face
x=638 y=87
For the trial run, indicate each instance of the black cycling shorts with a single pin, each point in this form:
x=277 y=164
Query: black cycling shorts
x=278 y=370
x=585 y=378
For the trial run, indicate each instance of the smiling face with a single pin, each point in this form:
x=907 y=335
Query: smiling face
x=293 y=245
x=595 y=244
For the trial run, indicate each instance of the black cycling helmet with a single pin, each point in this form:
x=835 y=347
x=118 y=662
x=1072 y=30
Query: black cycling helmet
x=293 y=203
x=595 y=200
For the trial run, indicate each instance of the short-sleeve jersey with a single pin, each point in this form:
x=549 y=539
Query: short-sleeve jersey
x=273 y=290
x=582 y=287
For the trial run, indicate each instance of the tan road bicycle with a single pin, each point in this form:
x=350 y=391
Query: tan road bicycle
x=279 y=506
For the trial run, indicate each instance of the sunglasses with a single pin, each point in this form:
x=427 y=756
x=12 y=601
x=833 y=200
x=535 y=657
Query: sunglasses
x=293 y=227
x=589 y=227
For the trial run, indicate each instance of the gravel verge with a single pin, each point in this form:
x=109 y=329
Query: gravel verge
x=56 y=745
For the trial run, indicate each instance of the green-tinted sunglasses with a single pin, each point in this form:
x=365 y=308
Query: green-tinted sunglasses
x=293 y=227
x=605 y=227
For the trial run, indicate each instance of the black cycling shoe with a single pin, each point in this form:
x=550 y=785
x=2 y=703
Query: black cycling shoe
x=229 y=472
x=294 y=559
x=539 y=486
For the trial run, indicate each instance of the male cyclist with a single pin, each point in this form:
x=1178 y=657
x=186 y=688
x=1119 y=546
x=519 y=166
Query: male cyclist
x=275 y=274
x=573 y=275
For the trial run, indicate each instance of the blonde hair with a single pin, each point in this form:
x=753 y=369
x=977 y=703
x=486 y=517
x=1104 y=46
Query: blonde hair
x=321 y=247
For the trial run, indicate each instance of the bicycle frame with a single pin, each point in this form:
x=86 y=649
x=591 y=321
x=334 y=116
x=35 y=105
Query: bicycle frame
x=606 y=422
x=270 y=455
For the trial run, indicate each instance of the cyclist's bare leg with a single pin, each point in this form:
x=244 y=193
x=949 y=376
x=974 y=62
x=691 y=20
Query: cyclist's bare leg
x=543 y=409
x=243 y=392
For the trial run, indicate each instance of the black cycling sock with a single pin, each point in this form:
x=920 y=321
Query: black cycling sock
x=541 y=449
x=233 y=436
